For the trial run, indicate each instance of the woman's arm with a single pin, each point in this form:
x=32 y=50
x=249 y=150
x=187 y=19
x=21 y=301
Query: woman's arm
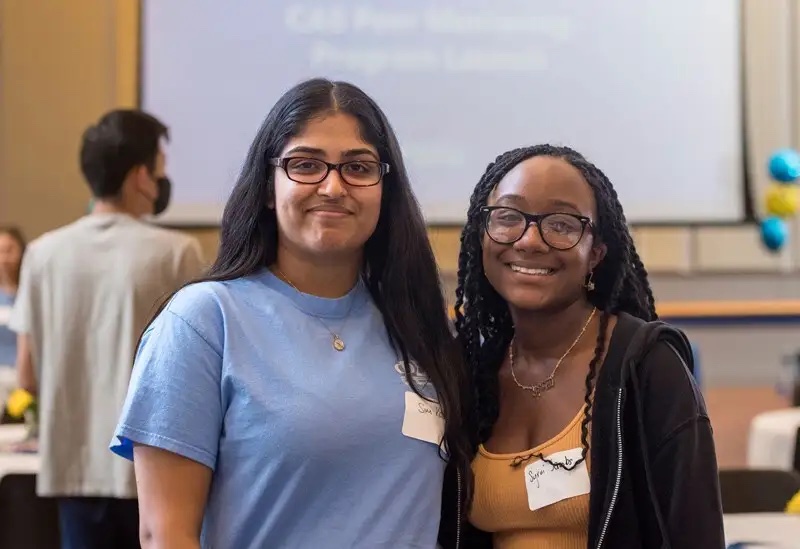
x=26 y=372
x=171 y=423
x=687 y=487
x=172 y=497
x=682 y=459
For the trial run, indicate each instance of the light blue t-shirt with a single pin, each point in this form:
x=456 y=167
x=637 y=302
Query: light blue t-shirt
x=305 y=441
x=8 y=339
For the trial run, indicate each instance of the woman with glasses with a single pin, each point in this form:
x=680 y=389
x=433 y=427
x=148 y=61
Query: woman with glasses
x=306 y=392
x=575 y=448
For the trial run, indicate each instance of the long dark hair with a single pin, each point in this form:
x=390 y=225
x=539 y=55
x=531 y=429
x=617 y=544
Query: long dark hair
x=16 y=235
x=399 y=266
x=483 y=320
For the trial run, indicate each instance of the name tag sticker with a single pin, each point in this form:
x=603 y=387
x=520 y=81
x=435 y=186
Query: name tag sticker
x=547 y=485
x=5 y=315
x=423 y=419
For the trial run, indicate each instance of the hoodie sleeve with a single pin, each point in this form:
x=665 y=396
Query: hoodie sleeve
x=681 y=462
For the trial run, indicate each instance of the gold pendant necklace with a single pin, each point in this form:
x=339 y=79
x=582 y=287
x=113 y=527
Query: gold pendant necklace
x=538 y=389
x=337 y=341
x=338 y=344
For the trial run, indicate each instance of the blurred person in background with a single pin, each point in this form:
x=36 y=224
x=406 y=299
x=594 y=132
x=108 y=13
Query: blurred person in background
x=87 y=291
x=12 y=247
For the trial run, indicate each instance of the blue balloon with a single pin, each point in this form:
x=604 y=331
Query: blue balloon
x=784 y=165
x=774 y=233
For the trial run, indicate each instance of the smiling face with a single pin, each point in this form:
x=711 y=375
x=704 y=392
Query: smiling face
x=332 y=217
x=529 y=274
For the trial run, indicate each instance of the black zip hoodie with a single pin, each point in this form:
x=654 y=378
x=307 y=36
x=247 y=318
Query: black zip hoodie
x=654 y=474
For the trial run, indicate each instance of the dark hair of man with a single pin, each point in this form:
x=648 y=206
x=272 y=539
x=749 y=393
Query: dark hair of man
x=120 y=141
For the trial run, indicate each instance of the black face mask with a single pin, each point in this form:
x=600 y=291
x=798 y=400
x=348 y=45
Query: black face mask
x=164 y=193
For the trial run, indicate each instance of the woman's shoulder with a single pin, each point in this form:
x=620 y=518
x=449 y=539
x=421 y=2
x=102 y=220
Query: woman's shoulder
x=658 y=354
x=659 y=370
x=201 y=308
x=197 y=299
x=636 y=341
x=666 y=378
x=660 y=351
x=213 y=297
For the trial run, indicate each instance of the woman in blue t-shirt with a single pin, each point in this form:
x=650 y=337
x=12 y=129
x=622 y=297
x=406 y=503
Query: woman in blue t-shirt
x=308 y=390
x=12 y=247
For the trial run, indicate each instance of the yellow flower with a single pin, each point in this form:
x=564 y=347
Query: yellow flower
x=793 y=507
x=18 y=402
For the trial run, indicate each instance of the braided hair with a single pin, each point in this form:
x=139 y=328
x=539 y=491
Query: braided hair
x=483 y=320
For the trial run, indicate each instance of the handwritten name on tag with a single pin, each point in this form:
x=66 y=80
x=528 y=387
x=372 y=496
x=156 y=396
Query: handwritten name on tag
x=547 y=484
x=423 y=419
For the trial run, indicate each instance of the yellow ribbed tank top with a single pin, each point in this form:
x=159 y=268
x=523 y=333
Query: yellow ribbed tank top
x=500 y=504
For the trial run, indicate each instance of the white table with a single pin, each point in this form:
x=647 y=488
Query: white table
x=772 y=440
x=778 y=530
x=11 y=433
x=8 y=382
x=12 y=462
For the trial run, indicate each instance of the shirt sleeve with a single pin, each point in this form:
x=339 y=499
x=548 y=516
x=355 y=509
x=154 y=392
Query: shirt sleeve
x=682 y=460
x=174 y=398
x=22 y=313
x=190 y=262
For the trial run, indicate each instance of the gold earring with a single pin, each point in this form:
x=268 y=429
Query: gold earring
x=590 y=283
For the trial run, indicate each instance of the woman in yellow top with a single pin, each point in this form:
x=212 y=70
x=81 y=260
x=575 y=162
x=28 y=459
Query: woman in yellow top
x=576 y=447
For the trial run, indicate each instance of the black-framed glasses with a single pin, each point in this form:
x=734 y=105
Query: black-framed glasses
x=311 y=171
x=560 y=231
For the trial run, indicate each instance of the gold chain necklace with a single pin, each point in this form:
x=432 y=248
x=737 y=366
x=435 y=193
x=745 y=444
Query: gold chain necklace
x=538 y=389
x=337 y=342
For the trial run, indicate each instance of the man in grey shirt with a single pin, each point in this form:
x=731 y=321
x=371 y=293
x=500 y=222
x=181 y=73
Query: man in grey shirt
x=87 y=292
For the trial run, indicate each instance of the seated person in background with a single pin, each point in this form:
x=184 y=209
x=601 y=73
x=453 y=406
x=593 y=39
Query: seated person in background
x=575 y=448
x=12 y=246
x=86 y=293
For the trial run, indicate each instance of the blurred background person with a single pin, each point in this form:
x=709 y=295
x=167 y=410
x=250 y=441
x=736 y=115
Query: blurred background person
x=86 y=293
x=12 y=247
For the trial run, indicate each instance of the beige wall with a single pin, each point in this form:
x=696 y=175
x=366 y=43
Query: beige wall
x=64 y=62
x=59 y=71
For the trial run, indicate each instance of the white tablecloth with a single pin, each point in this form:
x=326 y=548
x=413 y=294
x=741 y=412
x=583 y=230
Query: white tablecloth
x=8 y=382
x=16 y=463
x=11 y=433
x=778 y=530
x=772 y=440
